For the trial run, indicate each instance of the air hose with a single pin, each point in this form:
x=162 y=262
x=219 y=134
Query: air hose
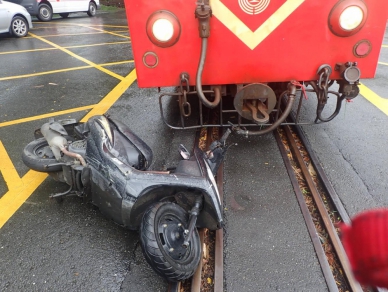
x=203 y=12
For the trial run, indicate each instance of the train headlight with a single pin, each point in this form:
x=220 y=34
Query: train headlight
x=347 y=17
x=163 y=28
x=351 y=18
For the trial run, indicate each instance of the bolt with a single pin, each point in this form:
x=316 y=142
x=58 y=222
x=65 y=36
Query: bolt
x=179 y=224
x=171 y=249
x=164 y=225
x=186 y=231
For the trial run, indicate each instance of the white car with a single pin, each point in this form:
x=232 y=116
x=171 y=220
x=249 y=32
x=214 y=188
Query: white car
x=14 y=19
x=44 y=9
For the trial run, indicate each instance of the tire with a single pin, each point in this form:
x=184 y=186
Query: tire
x=45 y=13
x=35 y=159
x=64 y=15
x=92 y=9
x=158 y=234
x=19 y=27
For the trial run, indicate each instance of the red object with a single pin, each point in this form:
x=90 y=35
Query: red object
x=366 y=244
x=284 y=40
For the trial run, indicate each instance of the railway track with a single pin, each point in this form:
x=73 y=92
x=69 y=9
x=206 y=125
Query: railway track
x=321 y=208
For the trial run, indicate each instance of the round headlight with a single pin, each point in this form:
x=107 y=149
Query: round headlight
x=351 y=18
x=163 y=28
x=347 y=17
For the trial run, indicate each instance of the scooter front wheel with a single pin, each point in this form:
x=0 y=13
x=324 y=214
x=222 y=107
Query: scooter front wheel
x=37 y=155
x=162 y=237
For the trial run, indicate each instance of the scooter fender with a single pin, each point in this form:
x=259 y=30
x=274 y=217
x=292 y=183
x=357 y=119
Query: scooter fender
x=144 y=189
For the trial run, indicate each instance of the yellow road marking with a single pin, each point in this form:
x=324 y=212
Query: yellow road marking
x=48 y=115
x=385 y=46
x=18 y=193
x=63 y=70
x=27 y=51
x=105 y=31
x=7 y=168
x=45 y=73
x=382 y=63
x=78 y=23
x=19 y=189
x=112 y=96
x=69 y=47
x=79 y=58
x=253 y=38
x=64 y=34
x=83 y=33
x=375 y=99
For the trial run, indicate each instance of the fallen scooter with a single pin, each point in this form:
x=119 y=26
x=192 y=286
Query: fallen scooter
x=106 y=164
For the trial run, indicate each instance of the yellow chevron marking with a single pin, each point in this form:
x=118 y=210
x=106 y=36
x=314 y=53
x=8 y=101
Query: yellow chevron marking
x=253 y=38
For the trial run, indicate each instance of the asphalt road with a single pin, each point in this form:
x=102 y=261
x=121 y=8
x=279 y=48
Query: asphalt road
x=81 y=66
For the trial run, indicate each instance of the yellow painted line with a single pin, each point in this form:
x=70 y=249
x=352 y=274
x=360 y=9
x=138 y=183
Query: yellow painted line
x=80 y=58
x=63 y=70
x=12 y=200
x=45 y=116
x=382 y=63
x=104 y=25
x=19 y=189
x=88 y=24
x=105 y=31
x=68 y=23
x=8 y=170
x=45 y=73
x=26 y=51
x=69 y=47
x=112 y=97
x=65 y=34
x=375 y=99
x=385 y=46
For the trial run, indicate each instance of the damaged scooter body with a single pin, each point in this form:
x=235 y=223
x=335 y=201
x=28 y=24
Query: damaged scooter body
x=135 y=191
x=106 y=164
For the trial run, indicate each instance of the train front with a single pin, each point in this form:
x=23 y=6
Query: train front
x=253 y=60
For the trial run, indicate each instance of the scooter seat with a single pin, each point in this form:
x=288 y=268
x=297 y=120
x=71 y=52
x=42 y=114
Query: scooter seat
x=132 y=150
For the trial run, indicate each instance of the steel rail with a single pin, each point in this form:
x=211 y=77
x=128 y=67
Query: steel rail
x=330 y=228
x=328 y=275
x=219 y=242
x=322 y=175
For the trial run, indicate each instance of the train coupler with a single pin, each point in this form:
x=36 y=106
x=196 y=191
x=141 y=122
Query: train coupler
x=350 y=73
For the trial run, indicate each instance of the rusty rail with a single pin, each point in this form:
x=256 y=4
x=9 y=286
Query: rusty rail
x=328 y=224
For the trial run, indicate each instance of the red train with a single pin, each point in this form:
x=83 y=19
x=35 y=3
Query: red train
x=250 y=58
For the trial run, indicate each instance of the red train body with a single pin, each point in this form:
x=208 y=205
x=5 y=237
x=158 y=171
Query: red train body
x=256 y=41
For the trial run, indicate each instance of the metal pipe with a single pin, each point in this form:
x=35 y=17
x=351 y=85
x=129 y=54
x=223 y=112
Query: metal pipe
x=198 y=85
x=75 y=155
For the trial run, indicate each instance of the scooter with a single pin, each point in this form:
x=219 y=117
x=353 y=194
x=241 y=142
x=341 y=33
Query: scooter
x=106 y=164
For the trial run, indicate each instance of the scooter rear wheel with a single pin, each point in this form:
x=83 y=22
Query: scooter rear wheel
x=37 y=155
x=162 y=240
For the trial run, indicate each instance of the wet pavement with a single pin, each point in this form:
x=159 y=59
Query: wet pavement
x=75 y=66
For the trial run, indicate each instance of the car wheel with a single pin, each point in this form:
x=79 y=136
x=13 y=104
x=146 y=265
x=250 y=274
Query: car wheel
x=19 y=26
x=92 y=9
x=45 y=12
x=64 y=15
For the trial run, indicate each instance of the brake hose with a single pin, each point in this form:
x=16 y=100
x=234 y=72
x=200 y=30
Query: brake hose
x=203 y=12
